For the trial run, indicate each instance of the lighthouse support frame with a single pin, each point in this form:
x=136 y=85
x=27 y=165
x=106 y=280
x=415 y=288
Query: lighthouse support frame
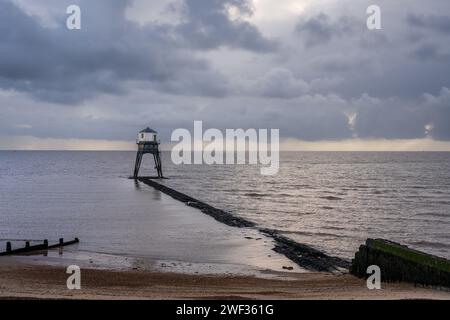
x=148 y=148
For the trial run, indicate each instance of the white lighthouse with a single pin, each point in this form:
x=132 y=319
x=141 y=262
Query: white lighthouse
x=148 y=143
x=147 y=135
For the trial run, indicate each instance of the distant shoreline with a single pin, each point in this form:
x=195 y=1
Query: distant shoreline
x=281 y=151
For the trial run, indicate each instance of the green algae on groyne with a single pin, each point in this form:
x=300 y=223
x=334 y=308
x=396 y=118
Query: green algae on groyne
x=398 y=263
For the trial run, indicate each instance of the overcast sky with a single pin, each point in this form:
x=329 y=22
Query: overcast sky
x=310 y=68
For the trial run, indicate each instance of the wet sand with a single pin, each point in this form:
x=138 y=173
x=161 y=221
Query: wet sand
x=303 y=255
x=122 y=218
x=49 y=282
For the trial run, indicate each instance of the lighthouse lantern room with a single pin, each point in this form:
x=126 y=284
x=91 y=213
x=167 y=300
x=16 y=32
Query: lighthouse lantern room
x=146 y=135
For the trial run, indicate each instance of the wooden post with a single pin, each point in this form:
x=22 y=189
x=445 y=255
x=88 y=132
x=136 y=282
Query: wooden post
x=8 y=247
x=27 y=244
x=61 y=241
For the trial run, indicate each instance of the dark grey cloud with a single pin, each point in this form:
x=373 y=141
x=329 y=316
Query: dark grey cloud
x=439 y=23
x=433 y=30
x=208 y=25
x=310 y=117
x=430 y=52
x=390 y=120
x=70 y=66
x=399 y=119
x=437 y=109
x=311 y=123
x=321 y=28
x=281 y=83
x=67 y=67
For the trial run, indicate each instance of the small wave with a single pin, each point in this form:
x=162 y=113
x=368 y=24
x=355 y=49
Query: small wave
x=434 y=202
x=301 y=186
x=327 y=208
x=431 y=244
x=331 y=198
x=431 y=214
x=334 y=228
x=306 y=213
x=287 y=195
x=360 y=187
x=256 y=195
x=312 y=234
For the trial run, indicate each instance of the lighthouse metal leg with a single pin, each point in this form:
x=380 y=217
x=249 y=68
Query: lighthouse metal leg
x=158 y=165
x=156 y=158
x=137 y=165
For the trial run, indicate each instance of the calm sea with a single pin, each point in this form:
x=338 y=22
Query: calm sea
x=330 y=200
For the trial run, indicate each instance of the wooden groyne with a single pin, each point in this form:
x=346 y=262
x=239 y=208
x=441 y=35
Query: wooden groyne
x=303 y=255
x=64 y=244
x=398 y=263
x=36 y=248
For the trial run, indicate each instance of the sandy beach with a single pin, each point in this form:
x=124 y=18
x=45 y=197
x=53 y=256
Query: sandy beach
x=21 y=280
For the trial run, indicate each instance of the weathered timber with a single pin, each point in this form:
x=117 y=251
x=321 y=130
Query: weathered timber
x=39 y=247
x=398 y=263
x=26 y=249
x=303 y=255
x=64 y=244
